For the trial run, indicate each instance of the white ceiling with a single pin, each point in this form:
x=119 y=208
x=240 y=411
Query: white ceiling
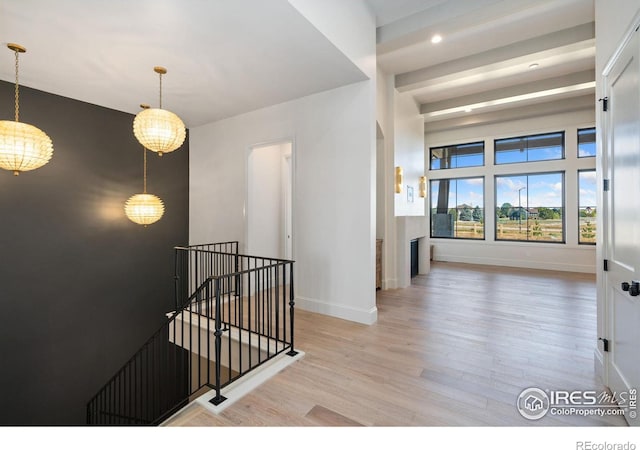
x=224 y=57
x=483 y=61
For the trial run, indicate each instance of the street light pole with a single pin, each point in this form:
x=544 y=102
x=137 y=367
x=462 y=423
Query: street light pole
x=520 y=211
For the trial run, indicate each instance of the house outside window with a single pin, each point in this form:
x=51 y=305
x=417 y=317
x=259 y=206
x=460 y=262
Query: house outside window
x=457 y=208
x=530 y=207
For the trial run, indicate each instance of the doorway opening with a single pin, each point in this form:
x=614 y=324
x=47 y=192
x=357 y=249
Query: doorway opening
x=269 y=211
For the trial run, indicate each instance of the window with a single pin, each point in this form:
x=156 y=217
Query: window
x=587 y=206
x=530 y=207
x=456 y=156
x=457 y=208
x=540 y=147
x=586 y=142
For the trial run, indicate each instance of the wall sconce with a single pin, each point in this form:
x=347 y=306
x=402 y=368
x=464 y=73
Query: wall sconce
x=398 y=180
x=423 y=187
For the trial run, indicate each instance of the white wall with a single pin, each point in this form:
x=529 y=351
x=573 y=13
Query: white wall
x=334 y=159
x=402 y=126
x=334 y=221
x=409 y=153
x=344 y=23
x=385 y=112
x=569 y=256
x=614 y=22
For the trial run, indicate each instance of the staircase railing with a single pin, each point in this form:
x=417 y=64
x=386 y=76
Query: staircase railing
x=238 y=317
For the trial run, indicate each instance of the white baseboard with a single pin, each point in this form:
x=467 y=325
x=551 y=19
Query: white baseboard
x=367 y=317
x=598 y=366
x=523 y=263
x=390 y=283
x=238 y=389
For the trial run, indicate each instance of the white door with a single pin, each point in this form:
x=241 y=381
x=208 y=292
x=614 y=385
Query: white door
x=621 y=155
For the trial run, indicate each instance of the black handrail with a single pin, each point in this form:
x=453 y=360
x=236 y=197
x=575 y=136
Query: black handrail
x=239 y=299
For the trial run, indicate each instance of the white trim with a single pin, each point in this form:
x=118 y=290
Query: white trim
x=522 y=263
x=599 y=367
x=367 y=317
x=635 y=23
x=390 y=283
x=238 y=389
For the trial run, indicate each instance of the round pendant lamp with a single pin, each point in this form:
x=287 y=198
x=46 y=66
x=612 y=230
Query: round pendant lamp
x=23 y=147
x=157 y=129
x=144 y=209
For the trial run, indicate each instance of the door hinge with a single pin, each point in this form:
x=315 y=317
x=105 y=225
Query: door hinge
x=605 y=185
x=605 y=344
x=606 y=265
x=605 y=103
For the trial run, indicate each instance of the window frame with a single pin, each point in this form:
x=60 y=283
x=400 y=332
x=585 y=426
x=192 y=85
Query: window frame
x=595 y=142
x=484 y=208
x=528 y=174
x=580 y=205
x=563 y=147
x=484 y=159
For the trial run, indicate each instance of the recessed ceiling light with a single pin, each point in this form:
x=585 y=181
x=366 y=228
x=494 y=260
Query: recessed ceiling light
x=436 y=38
x=534 y=66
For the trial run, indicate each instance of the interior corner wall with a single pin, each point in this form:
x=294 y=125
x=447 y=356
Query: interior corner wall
x=349 y=25
x=334 y=154
x=81 y=287
x=403 y=127
x=385 y=120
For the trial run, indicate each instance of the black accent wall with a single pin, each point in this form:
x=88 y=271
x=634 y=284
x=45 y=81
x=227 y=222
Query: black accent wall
x=81 y=287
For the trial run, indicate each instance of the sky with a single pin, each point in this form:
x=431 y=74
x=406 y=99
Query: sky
x=540 y=190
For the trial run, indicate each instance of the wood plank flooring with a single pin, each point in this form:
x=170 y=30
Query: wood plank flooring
x=454 y=349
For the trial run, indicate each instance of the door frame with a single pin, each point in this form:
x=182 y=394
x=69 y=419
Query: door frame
x=245 y=209
x=604 y=172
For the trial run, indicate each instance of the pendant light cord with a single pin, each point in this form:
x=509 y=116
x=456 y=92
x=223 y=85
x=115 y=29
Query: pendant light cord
x=17 y=90
x=144 y=149
x=160 y=90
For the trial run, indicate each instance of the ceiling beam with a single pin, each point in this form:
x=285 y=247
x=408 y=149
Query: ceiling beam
x=570 y=40
x=564 y=83
x=583 y=102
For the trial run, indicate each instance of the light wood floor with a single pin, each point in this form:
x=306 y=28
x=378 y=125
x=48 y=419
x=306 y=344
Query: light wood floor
x=454 y=349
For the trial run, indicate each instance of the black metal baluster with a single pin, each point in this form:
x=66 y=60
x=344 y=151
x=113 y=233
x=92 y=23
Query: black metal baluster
x=292 y=303
x=199 y=300
x=208 y=311
x=218 y=334
x=277 y=304
x=228 y=326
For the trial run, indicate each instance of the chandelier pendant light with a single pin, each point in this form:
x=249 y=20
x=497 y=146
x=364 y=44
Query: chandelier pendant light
x=144 y=209
x=157 y=129
x=23 y=147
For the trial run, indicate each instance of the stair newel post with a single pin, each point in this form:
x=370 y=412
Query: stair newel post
x=237 y=277
x=176 y=278
x=292 y=303
x=218 y=334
